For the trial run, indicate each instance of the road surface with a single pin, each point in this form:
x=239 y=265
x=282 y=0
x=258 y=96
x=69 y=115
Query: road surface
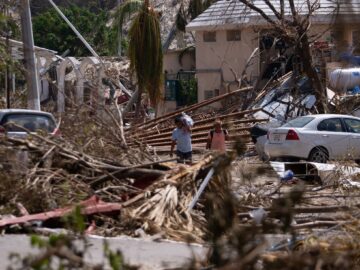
x=144 y=253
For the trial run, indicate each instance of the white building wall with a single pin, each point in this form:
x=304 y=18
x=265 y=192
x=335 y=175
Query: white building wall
x=218 y=63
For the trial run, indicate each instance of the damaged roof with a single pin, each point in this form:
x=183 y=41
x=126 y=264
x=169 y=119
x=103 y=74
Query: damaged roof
x=227 y=13
x=17 y=49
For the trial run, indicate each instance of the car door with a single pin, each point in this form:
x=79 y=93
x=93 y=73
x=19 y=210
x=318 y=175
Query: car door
x=332 y=134
x=353 y=128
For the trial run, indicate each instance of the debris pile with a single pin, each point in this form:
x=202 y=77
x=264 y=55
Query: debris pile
x=123 y=184
x=151 y=196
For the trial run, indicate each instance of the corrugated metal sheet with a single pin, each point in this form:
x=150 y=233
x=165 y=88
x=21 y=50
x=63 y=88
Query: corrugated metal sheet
x=230 y=12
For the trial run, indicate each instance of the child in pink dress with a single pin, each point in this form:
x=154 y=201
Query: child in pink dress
x=217 y=138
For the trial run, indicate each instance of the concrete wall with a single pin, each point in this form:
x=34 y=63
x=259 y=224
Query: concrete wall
x=172 y=66
x=217 y=62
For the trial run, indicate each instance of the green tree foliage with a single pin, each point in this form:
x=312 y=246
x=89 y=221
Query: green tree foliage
x=3 y=54
x=52 y=32
x=145 y=48
x=41 y=6
x=8 y=29
x=188 y=91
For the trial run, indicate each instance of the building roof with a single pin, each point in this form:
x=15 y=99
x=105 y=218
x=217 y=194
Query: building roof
x=227 y=13
x=17 y=49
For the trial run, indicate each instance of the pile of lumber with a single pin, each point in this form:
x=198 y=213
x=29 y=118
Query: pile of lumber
x=157 y=132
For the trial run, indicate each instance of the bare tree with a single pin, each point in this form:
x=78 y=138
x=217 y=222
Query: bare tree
x=293 y=28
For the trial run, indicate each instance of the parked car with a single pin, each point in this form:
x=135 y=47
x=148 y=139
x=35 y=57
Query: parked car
x=317 y=138
x=258 y=135
x=19 y=122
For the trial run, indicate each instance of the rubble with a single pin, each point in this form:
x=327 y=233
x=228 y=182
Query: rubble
x=248 y=212
x=152 y=196
x=225 y=201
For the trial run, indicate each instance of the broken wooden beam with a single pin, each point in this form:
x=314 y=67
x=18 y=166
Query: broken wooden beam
x=228 y=116
x=245 y=137
x=89 y=207
x=196 y=106
x=155 y=133
x=167 y=135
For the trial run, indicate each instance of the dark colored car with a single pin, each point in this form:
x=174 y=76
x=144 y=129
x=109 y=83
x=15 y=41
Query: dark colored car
x=19 y=122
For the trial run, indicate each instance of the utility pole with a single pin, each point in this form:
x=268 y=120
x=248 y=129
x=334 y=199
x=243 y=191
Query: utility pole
x=8 y=74
x=29 y=56
x=9 y=62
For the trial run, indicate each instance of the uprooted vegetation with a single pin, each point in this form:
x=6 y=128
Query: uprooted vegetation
x=263 y=222
x=60 y=171
x=245 y=208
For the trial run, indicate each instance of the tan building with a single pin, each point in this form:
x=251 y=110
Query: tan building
x=228 y=33
x=179 y=72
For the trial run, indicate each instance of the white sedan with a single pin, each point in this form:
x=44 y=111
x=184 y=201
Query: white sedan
x=316 y=138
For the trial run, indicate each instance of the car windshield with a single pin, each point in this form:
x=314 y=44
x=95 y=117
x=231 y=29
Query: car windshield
x=30 y=122
x=299 y=122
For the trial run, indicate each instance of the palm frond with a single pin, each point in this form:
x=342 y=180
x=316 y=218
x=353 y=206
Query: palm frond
x=208 y=3
x=145 y=52
x=125 y=11
x=181 y=21
x=122 y=14
x=196 y=7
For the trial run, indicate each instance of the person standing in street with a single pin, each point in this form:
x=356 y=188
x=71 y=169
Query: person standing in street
x=181 y=137
x=217 y=137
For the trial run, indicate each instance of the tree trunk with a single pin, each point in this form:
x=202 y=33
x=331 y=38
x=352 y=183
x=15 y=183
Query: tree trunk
x=138 y=103
x=131 y=102
x=309 y=69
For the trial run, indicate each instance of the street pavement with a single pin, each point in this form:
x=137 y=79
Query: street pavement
x=144 y=253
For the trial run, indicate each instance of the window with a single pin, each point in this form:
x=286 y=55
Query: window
x=352 y=125
x=209 y=94
x=233 y=35
x=170 y=90
x=209 y=36
x=299 y=122
x=333 y=125
x=31 y=122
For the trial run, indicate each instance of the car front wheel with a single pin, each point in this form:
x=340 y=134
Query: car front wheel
x=319 y=155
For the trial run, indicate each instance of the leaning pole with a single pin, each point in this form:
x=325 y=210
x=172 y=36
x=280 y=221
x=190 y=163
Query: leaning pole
x=29 y=56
